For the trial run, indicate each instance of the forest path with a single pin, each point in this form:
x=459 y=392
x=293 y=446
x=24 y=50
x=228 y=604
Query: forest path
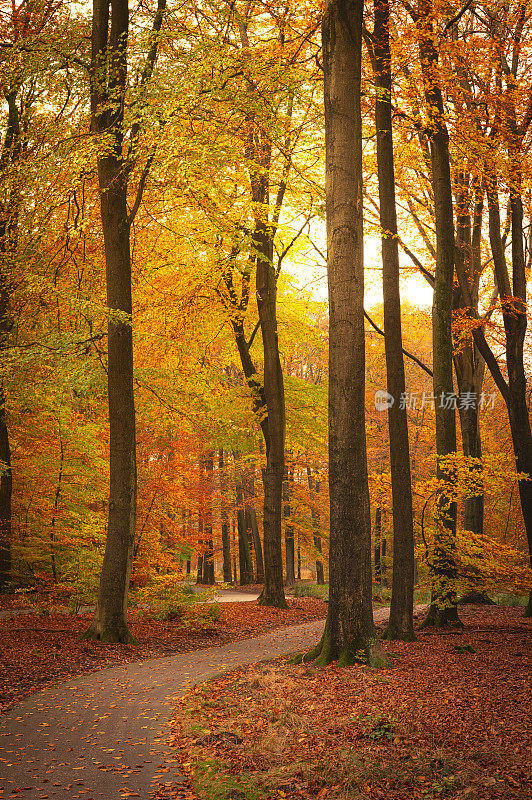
x=106 y=734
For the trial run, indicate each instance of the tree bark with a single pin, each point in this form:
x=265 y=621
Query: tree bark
x=244 y=556
x=377 y=545
x=9 y=209
x=288 y=533
x=208 y=556
x=468 y=363
x=314 y=488
x=443 y=608
x=108 y=78
x=401 y=621
x=6 y=490
x=226 y=544
x=266 y=285
x=349 y=626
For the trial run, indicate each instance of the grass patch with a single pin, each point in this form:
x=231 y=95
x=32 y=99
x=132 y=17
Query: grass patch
x=312 y=590
x=212 y=781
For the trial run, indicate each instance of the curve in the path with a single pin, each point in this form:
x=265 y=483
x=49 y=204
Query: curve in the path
x=105 y=734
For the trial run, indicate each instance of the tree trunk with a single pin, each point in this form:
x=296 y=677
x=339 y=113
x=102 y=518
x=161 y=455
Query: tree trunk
x=109 y=622
x=208 y=556
x=6 y=490
x=108 y=83
x=226 y=544
x=235 y=575
x=252 y=526
x=314 y=488
x=401 y=621
x=384 y=563
x=515 y=323
x=266 y=282
x=244 y=556
x=288 y=533
x=443 y=609
x=377 y=545
x=199 y=574
x=349 y=626
x=257 y=544
x=9 y=210
x=468 y=363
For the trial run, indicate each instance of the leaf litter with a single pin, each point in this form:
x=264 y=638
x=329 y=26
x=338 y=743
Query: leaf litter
x=447 y=718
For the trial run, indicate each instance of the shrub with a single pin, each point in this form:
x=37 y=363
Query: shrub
x=167 y=598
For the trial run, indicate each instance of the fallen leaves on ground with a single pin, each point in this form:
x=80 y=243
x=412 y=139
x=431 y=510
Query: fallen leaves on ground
x=447 y=718
x=36 y=651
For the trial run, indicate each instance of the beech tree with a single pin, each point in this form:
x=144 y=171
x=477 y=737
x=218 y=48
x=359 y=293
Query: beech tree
x=108 y=76
x=401 y=623
x=443 y=608
x=349 y=625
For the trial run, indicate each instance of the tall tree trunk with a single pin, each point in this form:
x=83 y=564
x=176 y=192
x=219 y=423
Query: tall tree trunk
x=377 y=545
x=314 y=488
x=9 y=208
x=6 y=490
x=235 y=575
x=515 y=323
x=257 y=544
x=468 y=363
x=443 y=608
x=349 y=626
x=252 y=526
x=288 y=532
x=108 y=79
x=401 y=621
x=199 y=574
x=266 y=284
x=244 y=556
x=226 y=544
x=109 y=623
x=513 y=299
x=208 y=556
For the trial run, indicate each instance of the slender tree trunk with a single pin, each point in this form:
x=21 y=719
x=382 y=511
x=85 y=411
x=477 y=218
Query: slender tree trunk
x=109 y=622
x=108 y=83
x=314 y=488
x=468 y=363
x=56 y=507
x=377 y=545
x=288 y=532
x=257 y=544
x=349 y=626
x=401 y=621
x=384 y=563
x=515 y=323
x=9 y=209
x=226 y=544
x=244 y=556
x=208 y=556
x=443 y=609
x=6 y=490
x=266 y=284
x=235 y=575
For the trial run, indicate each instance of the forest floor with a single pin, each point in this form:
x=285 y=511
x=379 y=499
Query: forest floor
x=447 y=718
x=45 y=648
